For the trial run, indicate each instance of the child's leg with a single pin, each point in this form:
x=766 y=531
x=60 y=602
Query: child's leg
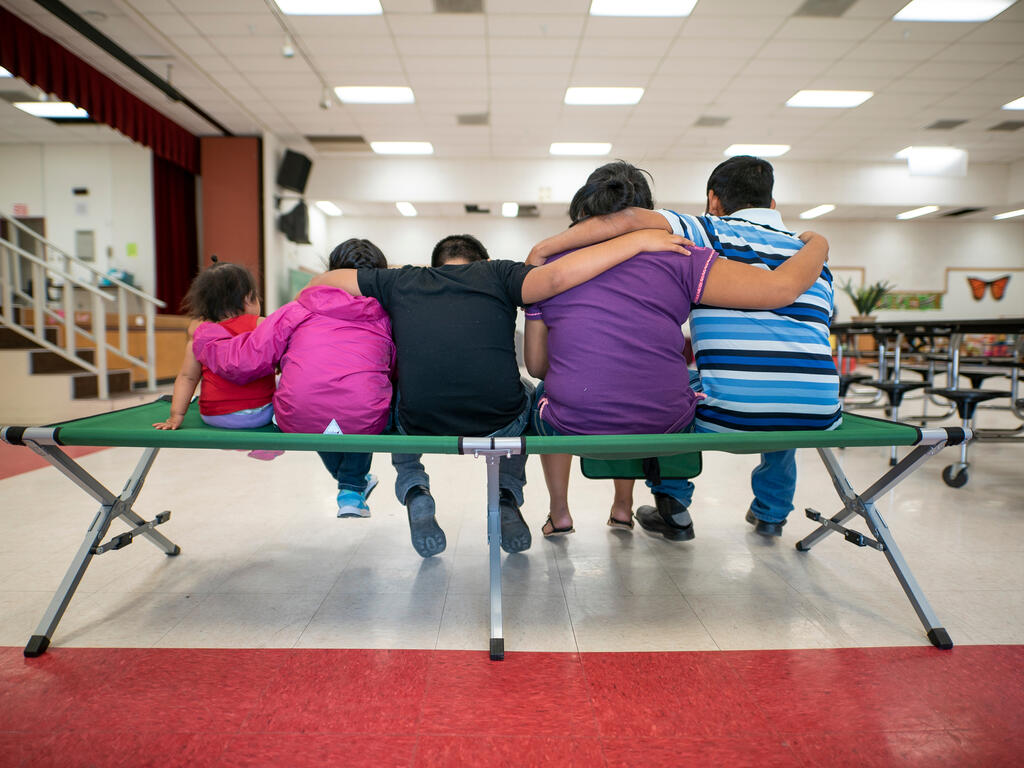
x=774 y=484
x=556 y=477
x=249 y=418
x=348 y=469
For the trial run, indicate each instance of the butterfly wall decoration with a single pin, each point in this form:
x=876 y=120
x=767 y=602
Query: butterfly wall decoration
x=996 y=287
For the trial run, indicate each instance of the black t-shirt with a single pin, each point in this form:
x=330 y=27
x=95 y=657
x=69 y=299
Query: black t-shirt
x=454 y=329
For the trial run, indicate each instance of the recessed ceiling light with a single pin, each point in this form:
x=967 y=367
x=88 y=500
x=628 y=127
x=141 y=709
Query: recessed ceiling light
x=580 y=148
x=375 y=94
x=402 y=147
x=5 y=73
x=328 y=207
x=641 y=7
x=406 y=209
x=952 y=10
x=611 y=96
x=934 y=161
x=829 y=99
x=925 y=210
x=821 y=210
x=1015 y=104
x=757 y=150
x=1009 y=214
x=510 y=210
x=60 y=109
x=330 y=7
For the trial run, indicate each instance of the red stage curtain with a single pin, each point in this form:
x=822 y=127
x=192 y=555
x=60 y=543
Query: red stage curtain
x=32 y=56
x=174 y=219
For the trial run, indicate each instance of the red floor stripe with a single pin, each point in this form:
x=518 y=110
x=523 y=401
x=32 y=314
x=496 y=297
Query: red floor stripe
x=16 y=459
x=206 y=707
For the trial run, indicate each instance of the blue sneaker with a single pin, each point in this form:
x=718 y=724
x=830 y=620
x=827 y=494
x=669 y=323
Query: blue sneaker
x=371 y=483
x=352 y=504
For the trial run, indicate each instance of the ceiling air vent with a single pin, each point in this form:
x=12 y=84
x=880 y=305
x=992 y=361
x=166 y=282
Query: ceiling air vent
x=944 y=125
x=458 y=6
x=962 y=212
x=474 y=208
x=710 y=121
x=338 y=144
x=528 y=212
x=1008 y=125
x=474 y=118
x=824 y=8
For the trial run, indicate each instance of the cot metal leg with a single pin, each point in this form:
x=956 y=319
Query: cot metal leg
x=111 y=508
x=497 y=644
x=864 y=506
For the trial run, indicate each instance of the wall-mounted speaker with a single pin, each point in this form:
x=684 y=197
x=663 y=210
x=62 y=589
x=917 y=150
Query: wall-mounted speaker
x=294 y=171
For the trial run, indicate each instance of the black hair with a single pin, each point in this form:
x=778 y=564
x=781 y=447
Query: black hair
x=742 y=182
x=355 y=253
x=219 y=292
x=457 y=248
x=611 y=188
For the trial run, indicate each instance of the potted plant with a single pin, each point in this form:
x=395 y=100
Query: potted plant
x=867 y=298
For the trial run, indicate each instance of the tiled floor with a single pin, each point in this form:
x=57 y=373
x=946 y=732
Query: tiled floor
x=265 y=564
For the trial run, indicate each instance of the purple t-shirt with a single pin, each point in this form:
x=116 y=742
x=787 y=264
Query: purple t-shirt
x=615 y=347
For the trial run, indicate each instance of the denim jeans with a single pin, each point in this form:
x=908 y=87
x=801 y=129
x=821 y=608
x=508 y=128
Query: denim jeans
x=773 y=481
x=511 y=470
x=349 y=469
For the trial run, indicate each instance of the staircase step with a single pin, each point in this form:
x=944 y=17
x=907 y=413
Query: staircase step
x=11 y=340
x=86 y=385
x=44 y=361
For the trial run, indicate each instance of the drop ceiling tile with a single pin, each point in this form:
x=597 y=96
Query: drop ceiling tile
x=747 y=26
x=1001 y=53
x=341 y=27
x=741 y=8
x=721 y=50
x=805 y=49
x=235 y=24
x=526 y=46
x=538 y=7
x=952 y=70
x=797 y=71
x=214 y=65
x=436 y=45
x=442 y=80
x=696 y=72
x=625 y=47
x=172 y=24
x=894 y=51
x=528 y=66
x=195 y=46
x=153 y=6
x=246 y=7
x=448 y=65
x=534 y=27
x=538 y=83
x=363 y=72
x=922 y=32
x=612 y=71
x=350 y=48
x=253 y=46
x=440 y=24
x=1001 y=32
x=407 y=6
x=807 y=28
x=639 y=29
x=851 y=70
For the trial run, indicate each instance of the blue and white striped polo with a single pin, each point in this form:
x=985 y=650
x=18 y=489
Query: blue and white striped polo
x=762 y=370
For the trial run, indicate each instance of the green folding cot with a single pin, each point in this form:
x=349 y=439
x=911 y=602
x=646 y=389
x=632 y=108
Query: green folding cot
x=132 y=427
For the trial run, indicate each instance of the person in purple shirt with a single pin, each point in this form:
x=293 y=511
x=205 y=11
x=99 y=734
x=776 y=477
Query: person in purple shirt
x=610 y=351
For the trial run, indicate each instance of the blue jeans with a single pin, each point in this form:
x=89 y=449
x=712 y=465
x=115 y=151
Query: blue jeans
x=349 y=469
x=511 y=470
x=773 y=481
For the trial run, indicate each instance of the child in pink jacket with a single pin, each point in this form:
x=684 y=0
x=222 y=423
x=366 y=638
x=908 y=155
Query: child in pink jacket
x=336 y=358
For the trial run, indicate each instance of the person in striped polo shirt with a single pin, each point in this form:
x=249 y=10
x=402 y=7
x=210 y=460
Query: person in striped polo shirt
x=759 y=370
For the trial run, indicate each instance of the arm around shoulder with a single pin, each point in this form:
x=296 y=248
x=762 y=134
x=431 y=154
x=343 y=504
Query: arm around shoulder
x=345 y=279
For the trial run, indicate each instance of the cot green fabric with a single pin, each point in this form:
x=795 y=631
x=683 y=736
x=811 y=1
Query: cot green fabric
x=684 y=465
x=133 y=427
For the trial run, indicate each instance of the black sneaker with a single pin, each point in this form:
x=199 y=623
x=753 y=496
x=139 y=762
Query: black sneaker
x=515 y=533
x=427 y=537
x=764 y=527
x=669 y=518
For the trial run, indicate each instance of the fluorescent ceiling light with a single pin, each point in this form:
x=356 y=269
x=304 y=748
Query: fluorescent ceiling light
x=328 y=207
x=5 y=73
x=510 y=210
x=952 y=10
x=402 y=147
x=917 y=212
x=59 y=109
x=374 y=94
x=817 y=211
x=829 y=99
x=580 y=148
x=757 y=150
x=1015 y=104
x=406 y=209
x=934 y=161
x=330 y=7
x=641 y=7
x=612 y=96
x=1009 y=214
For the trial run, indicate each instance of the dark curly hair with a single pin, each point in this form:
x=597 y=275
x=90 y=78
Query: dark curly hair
x=611 y=188
x=219 y=292
x=456 y=247
x=742 y=181
x=355 y=253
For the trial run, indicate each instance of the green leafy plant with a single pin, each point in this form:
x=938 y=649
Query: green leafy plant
x=867 y=298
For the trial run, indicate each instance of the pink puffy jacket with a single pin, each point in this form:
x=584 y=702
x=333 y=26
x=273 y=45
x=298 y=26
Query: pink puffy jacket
x=335 y=354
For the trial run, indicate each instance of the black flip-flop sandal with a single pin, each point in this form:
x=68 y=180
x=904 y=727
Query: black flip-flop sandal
x=555 y=531
x=620 y=525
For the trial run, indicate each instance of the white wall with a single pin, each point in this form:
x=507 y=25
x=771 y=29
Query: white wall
x=118 y=208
